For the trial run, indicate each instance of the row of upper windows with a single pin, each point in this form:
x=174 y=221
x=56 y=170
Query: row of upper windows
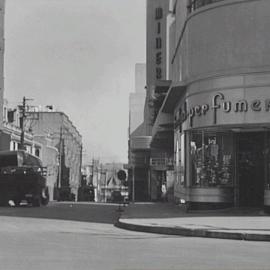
x=195 y=4
x=29 y=149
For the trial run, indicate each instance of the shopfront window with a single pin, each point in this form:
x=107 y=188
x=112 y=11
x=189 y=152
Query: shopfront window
x=211 y=158
x=266 y=153
x=180 y=158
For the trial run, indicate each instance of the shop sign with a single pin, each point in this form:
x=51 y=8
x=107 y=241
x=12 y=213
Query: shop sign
x=184 y=113
x=219 y=103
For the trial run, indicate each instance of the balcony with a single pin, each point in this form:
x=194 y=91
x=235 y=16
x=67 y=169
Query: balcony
x=140 y=143
x=195 y=4
x=162 y=163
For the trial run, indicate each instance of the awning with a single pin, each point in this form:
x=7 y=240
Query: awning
x=175 y=93
x=164 y=124
x=162 y=86
x=140 y=142
x=164 y=121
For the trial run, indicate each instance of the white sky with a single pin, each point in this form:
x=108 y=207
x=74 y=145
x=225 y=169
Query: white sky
x=78 y=55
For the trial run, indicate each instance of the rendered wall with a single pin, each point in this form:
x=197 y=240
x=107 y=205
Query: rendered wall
x=51 y=123
x=229 y=37
x=225 y=48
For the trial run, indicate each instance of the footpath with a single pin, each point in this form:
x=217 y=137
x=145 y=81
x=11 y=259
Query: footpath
x=166 y=218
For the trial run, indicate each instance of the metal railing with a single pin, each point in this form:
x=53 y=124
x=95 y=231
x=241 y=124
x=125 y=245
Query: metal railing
x=161 y=162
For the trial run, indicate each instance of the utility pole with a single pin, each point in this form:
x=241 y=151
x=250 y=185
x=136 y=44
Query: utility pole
x=133 y=184
x=60 y=160
x=80 y=166
x=92 y=171
x=22 y=123
x=23 y=117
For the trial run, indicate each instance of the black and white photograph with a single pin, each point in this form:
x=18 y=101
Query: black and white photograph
x=134 y=134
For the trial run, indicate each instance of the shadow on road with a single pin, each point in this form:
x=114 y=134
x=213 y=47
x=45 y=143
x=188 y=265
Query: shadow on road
x=170 y=210
x=108 y=213
x=86 y=212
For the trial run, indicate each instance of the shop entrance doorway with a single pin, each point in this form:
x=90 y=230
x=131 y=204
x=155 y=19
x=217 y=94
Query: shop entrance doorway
x=251 y=169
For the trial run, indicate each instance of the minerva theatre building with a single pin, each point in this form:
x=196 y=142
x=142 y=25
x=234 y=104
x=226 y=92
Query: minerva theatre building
x=220 y=101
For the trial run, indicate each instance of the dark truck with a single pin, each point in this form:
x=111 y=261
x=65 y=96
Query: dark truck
x=22 y=178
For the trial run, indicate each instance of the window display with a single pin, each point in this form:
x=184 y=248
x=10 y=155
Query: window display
x=180 y=158
x=266 y=153
x=211 y=158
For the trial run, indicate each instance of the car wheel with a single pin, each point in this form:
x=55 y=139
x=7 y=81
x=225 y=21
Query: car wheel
x=17 y=202
x=45 y=196
x=36 y=201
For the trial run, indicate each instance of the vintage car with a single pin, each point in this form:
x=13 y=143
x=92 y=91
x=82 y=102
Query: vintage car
x=22 y=178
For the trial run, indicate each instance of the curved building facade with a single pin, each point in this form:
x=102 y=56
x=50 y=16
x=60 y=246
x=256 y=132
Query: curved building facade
x=220 y=101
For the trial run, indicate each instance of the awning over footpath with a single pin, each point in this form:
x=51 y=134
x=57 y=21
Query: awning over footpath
x=175 y=93
x=164 y=123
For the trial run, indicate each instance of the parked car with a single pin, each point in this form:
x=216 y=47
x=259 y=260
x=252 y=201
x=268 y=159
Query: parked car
x=22 y=177
x=65 y=194
x=86 y=193
x=117 y=197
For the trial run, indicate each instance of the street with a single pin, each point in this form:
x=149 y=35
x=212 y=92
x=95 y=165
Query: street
x=82 y=236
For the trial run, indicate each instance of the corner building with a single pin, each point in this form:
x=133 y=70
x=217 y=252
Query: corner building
x=219 y=65
x=2 y=50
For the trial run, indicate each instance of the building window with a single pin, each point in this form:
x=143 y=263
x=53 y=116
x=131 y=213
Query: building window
x=37 y=152
x=13 y=146
x=211 y=158
x=266 y=153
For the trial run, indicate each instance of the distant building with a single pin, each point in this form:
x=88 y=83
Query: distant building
x=137 y=99
x=150 y=159
x=109 y=182
x=148 y=163
x=93 y=173
x=63 y=137
x=104 y=179
x=139 y=142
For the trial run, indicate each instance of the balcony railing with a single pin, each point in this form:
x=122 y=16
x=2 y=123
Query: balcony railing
x=195 y=4
x=162 y=162
x=140 y=142
x=136 y=161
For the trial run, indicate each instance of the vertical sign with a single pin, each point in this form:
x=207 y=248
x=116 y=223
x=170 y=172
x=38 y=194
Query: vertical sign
x=158 y=45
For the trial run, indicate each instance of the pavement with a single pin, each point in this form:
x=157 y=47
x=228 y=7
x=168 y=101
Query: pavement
x=166 y=218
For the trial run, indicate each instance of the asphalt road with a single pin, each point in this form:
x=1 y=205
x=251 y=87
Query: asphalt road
x=82 y=237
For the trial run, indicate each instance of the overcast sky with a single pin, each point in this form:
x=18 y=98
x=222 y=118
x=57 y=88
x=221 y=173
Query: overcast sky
x=78 y=55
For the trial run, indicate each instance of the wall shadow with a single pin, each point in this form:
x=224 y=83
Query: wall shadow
x=84 y=212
